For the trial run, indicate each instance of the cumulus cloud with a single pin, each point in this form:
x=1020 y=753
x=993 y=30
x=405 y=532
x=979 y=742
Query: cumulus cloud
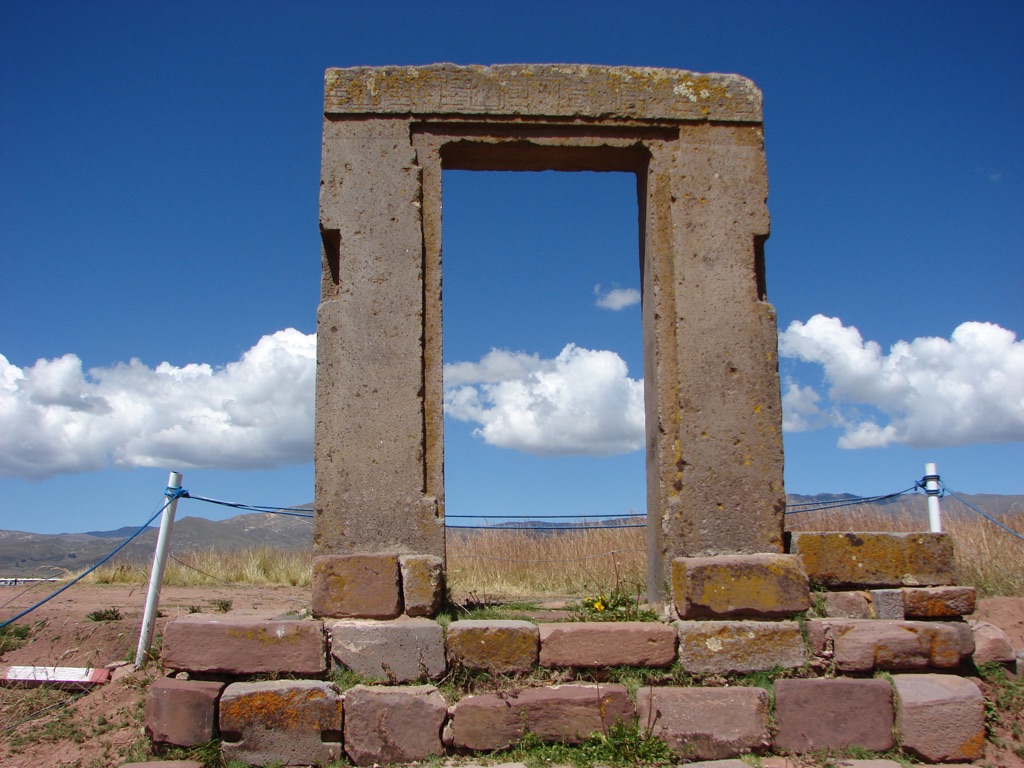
x=616 y=298
x=580 y=402
x=932 y=391
x=256 y=412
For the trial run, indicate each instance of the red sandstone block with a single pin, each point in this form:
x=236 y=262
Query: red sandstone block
x=244 y=646
x=714 y=647
x=757 y=586
x=938 y=602
x=357 y=586
x=400 y=651
x=876 y=559
x=294 y=722
x=567 y=713
x=848 y=605
x=706 y=723
x=607 y=644
x=385 y=725
x=991 y=644
x=499 y=647
x=833 y=714
x=862 y=646
x=182 y=712
x=940 y=717
x=166 y=764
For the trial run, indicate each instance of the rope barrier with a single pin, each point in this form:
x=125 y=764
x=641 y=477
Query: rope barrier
x=991 y=519
x=540 y=527
x=815 y=506
x=565 y=560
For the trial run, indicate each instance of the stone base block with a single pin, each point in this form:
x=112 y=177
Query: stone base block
x=715 y=647
x=940 y=717
x=706 y=723
x=400 y=651
x=991 y=644
x=938 y=602
x=607 y=644
x=182 y=712
x=756 y=586
x=875 y=559
x=568 y=713
x=422 y=584
x=232 y=646
x=833 y=714
x=847 y=605
x=393 y=725
x=887 y=604
x=356 y=586
x=863 y=646
x=294 y=722
x=499 y=647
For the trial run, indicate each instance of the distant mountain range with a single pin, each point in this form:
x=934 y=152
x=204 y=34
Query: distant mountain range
x=37 y=554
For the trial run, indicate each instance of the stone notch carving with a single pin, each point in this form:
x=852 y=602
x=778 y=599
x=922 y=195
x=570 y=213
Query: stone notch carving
x=713 y=409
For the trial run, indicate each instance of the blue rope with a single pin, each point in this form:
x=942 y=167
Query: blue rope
x=991 y=519
x=547 y=517
x=172 y=493
x=538 y=527
x=289 y=511
x=816 y=506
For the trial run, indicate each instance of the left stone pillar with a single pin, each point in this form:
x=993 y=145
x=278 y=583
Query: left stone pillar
x=371 y=488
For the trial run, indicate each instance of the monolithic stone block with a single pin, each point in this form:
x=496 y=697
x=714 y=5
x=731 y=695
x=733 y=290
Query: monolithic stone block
x=607 y=644
x=182 y=712
x=422 y=584
x=500 y=647
x=876 y=559
x=356 y=586
x=940 y=717
x=991 y=644
x=938 y=602
x=567 y=713
x=833 y=714
x=399 y=651
x=861 y=646
x=761 y=586
x=706 y=723
x=385 y=725
x=847 y=605
x=294 y=722
x=244 y=646
x=887 y=604
x=713 y=647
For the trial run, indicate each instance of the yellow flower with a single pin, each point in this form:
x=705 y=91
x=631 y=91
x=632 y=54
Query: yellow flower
x=598 y=605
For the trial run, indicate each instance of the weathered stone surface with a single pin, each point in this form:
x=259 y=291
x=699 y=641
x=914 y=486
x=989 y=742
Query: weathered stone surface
x=422 y=584
x=940 y=717
x=713 y=647
x=294 y=722
x=567 y=713
x=861 y=646
x=991 y=644
x=607 y=644
x=238 y=646
x=167 y=764
x=848 y=605
x=393 y=724
x=356 y=586
x=938 y=602
x=834 y=714
x=887 y=604
x=706 y=723
x=876 y=559
x=182 y=712
x=764 y=586
x=400 y=651
x=500 y=647
x=715 y=461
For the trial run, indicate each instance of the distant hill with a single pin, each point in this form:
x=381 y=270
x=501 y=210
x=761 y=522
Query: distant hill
x=37 y=554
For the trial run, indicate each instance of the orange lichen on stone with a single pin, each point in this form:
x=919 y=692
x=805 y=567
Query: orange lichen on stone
x=764 y=585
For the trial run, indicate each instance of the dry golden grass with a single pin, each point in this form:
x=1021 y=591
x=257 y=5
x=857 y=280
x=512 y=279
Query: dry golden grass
x=518 y=564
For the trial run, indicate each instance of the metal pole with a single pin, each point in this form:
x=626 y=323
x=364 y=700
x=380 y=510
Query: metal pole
x=931 y=488
x=156 y=579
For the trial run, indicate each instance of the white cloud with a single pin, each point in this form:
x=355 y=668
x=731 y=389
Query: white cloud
x=933 y=391
x=256 y=412
x=581 y=402
x=616 y=298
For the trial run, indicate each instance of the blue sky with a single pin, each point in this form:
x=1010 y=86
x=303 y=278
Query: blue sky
x=159 y=171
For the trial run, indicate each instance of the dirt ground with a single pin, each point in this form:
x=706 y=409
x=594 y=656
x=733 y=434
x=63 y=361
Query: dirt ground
x=40 y=728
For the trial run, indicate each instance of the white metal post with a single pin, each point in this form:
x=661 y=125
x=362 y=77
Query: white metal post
x=156 y=579
x=931 y=488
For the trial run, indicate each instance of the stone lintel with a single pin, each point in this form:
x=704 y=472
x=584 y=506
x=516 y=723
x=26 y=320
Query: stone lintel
x=567 y=91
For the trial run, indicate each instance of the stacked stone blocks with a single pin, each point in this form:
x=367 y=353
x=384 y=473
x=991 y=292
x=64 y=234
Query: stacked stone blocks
x=750 y=617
